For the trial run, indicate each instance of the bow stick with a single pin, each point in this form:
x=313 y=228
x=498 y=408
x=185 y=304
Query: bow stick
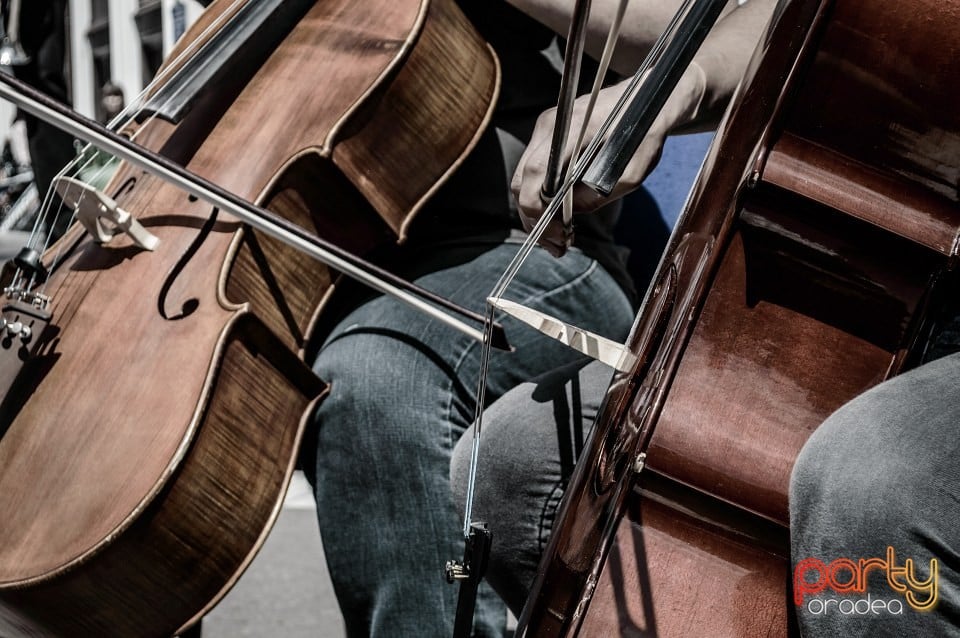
x=259 y=218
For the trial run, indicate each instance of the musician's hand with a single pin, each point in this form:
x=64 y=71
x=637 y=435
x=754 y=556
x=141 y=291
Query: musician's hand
x=680 y=109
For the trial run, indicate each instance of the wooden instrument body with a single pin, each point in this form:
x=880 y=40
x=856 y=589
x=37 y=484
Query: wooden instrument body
x=811 y=264
x=145 y=454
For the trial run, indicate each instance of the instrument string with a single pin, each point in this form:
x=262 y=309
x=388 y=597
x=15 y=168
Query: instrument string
x=562 y=199
x=88 y=154
x=574 y=175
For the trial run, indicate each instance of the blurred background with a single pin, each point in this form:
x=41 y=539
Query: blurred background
x=107 y=42
x=91 y=54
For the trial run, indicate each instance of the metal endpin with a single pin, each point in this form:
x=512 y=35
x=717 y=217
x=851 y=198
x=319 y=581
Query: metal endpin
x=455 y=570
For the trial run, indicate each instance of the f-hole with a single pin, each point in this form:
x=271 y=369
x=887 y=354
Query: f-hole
x=189 y=306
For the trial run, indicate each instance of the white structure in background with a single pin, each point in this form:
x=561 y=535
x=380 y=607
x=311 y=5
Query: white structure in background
x=121 y=41
x=118 y=41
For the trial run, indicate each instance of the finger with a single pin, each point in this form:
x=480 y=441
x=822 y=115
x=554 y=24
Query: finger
x=636 y=171
x=553 y=238
x=536 y=154
x=586 y=200
x=529 y=192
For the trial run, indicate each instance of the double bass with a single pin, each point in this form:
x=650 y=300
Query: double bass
x=815 y=258
x=152 y=413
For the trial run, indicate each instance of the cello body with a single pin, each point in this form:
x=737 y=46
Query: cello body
x=815 y=258
x=146 y=449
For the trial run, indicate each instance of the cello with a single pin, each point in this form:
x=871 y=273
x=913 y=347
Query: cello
x=815 y=258
x=130 y=438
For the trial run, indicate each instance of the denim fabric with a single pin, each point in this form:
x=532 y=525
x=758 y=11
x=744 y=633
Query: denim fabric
x=524 y=465
x=402 y=393
x=883 y=472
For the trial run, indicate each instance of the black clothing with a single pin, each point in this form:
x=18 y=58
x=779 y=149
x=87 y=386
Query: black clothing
x=530 y=59
x=43 y=35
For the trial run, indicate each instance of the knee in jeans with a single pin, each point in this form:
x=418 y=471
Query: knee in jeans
x=459 y=470
x=488 y=468
x=371 y=411
x=496 y=469
x=849 y=467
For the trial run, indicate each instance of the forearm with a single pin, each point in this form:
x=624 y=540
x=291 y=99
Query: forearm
x=724 y=56
x=707 y=84
x=643 y=22
x=697 y=101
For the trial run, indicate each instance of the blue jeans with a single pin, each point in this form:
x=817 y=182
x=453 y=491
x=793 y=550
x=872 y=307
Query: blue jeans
x=883 y=471
x=531 y=440
x=402 y=392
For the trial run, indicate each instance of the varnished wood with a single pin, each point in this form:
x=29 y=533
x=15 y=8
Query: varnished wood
x=146 y=455
x=685 y=566
x=863 y=191
x=414 y=111
x=201 y=529
x=804 y=313
x=826 y=220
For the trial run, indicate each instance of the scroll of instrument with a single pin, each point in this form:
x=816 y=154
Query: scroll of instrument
x=154 y=388
x=815 y=258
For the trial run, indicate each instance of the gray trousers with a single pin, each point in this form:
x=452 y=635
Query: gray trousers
x=880 y=473
x=880 y=479
x=402 y=390
x=531 y=439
